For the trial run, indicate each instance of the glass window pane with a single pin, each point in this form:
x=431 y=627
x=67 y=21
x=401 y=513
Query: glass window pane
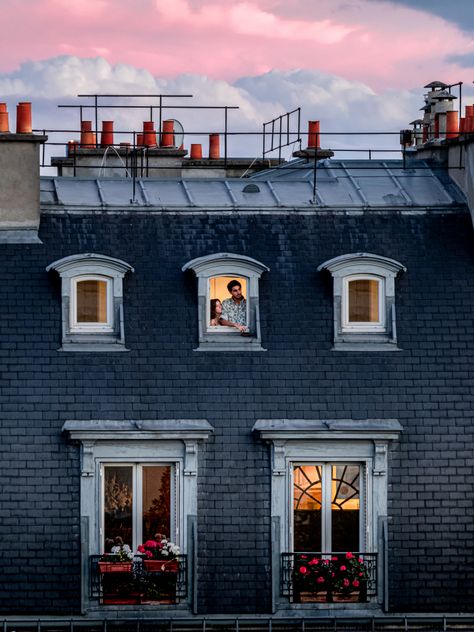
x=219 y=296
x=157 y=501
x=307 y=500
x=91 y=299
x=364 y=301
x=118 y=505
x=345 y=507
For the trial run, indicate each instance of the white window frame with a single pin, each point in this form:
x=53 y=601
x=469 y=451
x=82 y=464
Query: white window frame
x=365 y=442
x=137 y=508
x=326 y=484
x=376 y=326
x=224 y=328
x=92 y=337
x=227 y=264
x=349 y=336
x=148 y=442
x=77 y=327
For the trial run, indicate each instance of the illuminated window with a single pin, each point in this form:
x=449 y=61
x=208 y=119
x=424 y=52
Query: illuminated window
x=228 y=315
x=364 y=301
x=92 y=302
x=326 y=507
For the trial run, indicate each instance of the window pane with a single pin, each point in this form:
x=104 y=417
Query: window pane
x=307 y=500
x=232 y=310
x=345 y=506
x=118 y=505
x=91 y=301
x=364 y=301
x=157 y=501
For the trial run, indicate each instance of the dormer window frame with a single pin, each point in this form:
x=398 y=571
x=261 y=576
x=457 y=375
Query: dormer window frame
x=234 y=266
x=92 y=337
x=364 y=336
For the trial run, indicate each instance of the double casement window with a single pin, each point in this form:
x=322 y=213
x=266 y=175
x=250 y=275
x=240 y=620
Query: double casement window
x=228 y=302
x=92 y=302
x=364 y=301
x=329 y=508
x=139 y=503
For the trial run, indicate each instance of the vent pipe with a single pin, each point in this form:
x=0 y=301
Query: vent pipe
x=214 y=148
x=149 y=134
x=23 y=118
x=107 y=136
x=4 y=127
x=167 y=136
x=196 y=151
x=313 y=135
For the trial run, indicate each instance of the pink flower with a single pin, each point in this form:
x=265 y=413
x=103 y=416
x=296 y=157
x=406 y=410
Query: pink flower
x=303 y=570
x=151 y=544
x=346 y=582
x=349 y=556
x=360 y=560
x=355 y=582
x=334 y=559
x=361 y=574
x=325 y=562
x=313 y=561
x=148 y=554
x=343 y=568
x=141 y=548
x=333 y=574
x=320 y=580
x=303 y=557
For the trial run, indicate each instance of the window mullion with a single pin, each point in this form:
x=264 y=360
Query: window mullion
x=326 y=540
x=137 y=506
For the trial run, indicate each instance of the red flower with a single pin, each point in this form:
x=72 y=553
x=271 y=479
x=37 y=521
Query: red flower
x=303 y=570
x=355 y=583
x=349 y=556
x=334 y=559
x=343 y=568
x=141 y=548
x=360 y=560
x=361 y=574
x=320 y=580
x=325 y=562
x=313 y=561
x=148 y=554
x=151 y=544
x=346 y=582
x=303 y=557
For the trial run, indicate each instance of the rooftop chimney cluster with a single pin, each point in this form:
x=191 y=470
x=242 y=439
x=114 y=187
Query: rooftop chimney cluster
x=23 y=118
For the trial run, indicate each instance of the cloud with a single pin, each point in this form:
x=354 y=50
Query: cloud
x=383 y=44
x=340 y=104
x=466 y=60
x=460 y=13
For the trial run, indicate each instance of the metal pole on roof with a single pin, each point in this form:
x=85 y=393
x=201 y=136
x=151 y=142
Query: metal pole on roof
x=314 y=174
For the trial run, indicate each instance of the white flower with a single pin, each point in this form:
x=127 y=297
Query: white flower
x=115 y=549
x=164 y=552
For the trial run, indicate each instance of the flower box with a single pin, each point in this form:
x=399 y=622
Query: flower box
x=160 y=566
x=115 y=567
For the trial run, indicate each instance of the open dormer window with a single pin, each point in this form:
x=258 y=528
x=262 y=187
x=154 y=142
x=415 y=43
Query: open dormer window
x=92 y=302
x=228 y=302
x=364 y=301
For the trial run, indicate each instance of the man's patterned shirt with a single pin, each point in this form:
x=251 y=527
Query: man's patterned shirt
x=234 y=312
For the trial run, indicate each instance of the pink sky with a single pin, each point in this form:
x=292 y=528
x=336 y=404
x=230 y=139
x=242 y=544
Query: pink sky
x=378 y=43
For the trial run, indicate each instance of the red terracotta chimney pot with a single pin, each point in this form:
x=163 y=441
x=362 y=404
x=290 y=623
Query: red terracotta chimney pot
x=167 y=137
x=214 y=148
x=107 y=136
x=23 y=118
x=196 y=151
x=4 y=128
x=313 y=135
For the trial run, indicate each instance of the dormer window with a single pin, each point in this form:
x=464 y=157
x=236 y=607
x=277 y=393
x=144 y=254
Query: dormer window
x=228 y=302
x=92 y=302
x=364 y=301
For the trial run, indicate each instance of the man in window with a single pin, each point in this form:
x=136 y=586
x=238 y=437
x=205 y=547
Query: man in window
x=234 y=309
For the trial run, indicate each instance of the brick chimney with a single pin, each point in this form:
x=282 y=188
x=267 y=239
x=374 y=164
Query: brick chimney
x=19 y=187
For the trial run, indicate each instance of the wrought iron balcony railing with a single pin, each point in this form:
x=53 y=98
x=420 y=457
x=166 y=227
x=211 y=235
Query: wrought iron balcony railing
x=329 y=577
x=138 y=581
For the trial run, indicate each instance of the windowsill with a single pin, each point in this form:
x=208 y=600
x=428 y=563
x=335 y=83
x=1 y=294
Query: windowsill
x=229 y=341
x=92 y=347
x=365 y=345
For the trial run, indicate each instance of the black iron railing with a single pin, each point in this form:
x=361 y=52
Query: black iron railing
x=329 y=577
x=138 y=583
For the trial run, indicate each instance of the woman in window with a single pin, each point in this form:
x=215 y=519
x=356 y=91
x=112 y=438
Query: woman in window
x=216 y=312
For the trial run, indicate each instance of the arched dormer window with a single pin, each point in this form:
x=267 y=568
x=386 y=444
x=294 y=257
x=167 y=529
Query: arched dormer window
x=364 y=301
x=228 y=301
x=92 y=302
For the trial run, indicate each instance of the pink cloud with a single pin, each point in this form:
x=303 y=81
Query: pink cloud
x=381 y=44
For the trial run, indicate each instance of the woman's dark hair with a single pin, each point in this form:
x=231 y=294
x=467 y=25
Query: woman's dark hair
x=214 y=302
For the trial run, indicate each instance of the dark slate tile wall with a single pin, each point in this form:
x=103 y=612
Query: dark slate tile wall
x=428 y=386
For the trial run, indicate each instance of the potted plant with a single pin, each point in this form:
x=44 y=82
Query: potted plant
x=159 y=555
x=119 y=560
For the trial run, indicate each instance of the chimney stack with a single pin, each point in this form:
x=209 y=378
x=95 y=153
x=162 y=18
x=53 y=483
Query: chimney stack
x=19 y=178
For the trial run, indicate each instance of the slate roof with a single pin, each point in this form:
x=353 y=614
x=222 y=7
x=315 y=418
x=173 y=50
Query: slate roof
x=340 y=184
